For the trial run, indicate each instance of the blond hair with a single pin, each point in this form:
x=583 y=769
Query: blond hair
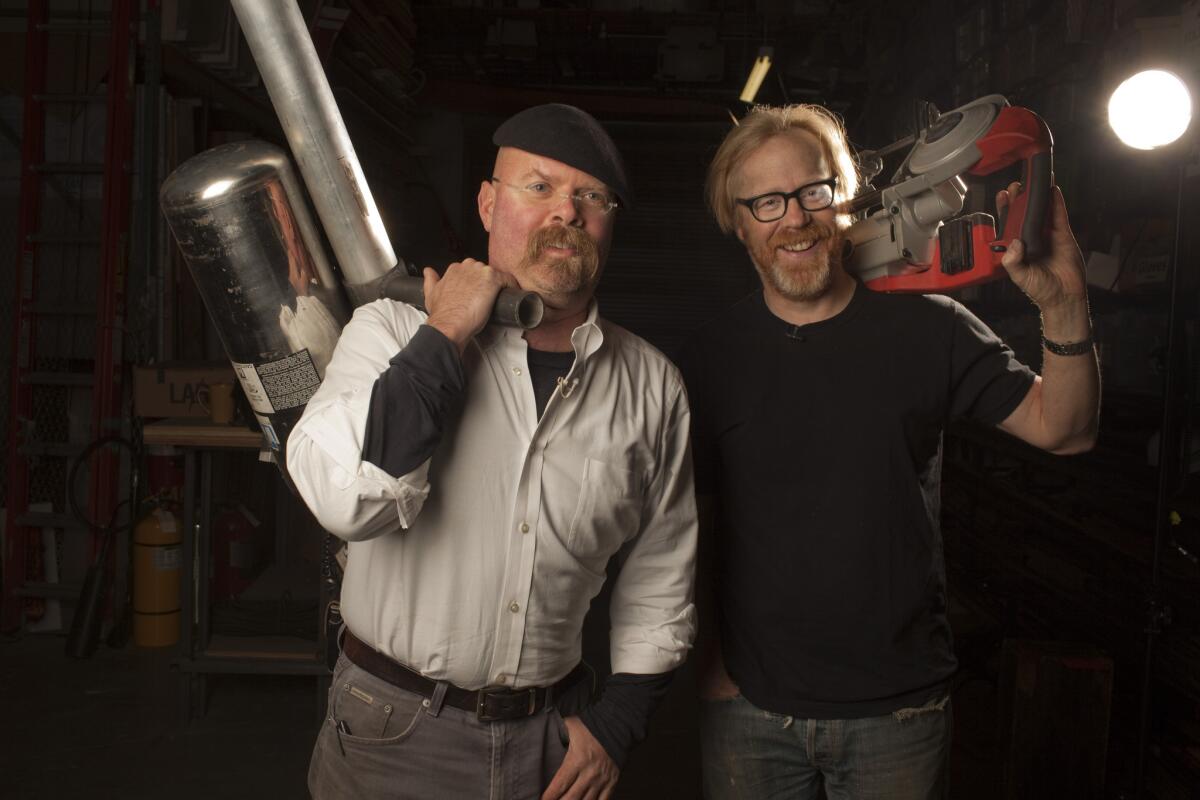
x=756 y=128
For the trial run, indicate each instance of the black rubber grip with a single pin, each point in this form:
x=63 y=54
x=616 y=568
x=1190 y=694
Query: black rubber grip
x=1038 y=185
x=514 y=307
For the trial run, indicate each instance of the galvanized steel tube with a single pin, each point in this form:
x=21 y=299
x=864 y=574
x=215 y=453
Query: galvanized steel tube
x=300 y=93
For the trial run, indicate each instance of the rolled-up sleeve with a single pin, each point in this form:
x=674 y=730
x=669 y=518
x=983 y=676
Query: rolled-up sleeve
x=351 y=497
x=653 y=617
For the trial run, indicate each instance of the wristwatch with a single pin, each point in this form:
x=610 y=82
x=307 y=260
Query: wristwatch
x=1070 y=348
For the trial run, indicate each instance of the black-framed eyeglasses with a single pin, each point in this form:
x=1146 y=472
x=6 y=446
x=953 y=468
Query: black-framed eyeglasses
x=588 y=199
x=771 y=206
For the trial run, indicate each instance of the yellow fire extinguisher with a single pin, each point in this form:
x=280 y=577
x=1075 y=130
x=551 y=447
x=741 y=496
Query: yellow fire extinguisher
x=156 y=570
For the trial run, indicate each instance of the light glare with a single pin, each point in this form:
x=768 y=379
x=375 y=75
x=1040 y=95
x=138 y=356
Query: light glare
x=216 y=188
x=1149 y=110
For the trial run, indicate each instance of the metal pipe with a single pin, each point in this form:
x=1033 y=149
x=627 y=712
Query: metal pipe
x=861 y=203
x=1158 y=614
x=300 y=93
x=514 y=307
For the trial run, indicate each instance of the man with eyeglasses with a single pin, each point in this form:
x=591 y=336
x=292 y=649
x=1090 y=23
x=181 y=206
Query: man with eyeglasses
x=484 y=477
x=818 y=409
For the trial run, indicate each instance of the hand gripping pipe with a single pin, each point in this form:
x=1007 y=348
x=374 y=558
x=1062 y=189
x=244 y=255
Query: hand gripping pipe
x=514 y=307
x=308 y=113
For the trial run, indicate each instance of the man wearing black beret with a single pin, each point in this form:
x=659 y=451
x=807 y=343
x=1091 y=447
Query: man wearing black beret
x=484 y=477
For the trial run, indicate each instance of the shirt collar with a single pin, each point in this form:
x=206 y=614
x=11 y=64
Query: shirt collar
x=586 y=338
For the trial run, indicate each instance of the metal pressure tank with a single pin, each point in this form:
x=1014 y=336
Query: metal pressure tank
x=242 y=224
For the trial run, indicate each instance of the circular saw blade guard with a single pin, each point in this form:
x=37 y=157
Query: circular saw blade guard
x=952 y=136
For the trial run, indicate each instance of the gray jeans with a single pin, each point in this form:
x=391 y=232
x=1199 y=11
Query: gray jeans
x=378 y=741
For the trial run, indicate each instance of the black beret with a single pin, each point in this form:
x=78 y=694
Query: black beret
x=570 y=135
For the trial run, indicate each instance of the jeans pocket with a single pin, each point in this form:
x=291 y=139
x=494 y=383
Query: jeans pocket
x=724 y=699
x=564 y=736
x=369 y=711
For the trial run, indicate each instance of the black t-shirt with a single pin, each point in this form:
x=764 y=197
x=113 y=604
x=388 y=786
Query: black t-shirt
x=822 y=445
x=545 y=370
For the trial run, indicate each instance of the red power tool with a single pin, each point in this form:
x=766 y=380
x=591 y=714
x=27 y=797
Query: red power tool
x=913 y=239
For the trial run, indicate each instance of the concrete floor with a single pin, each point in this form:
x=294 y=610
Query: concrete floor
x=109 y=727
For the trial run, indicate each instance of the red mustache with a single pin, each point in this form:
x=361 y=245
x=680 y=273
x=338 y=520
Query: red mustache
x=810 y=232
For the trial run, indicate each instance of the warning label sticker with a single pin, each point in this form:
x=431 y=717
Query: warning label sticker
x=278 y=385
x=256 y=393
x=290 y=381
x=166 y=558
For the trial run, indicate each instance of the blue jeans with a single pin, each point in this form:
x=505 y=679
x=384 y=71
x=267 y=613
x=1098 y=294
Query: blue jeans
x=751 y=754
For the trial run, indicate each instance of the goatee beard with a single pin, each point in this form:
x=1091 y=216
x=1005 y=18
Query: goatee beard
x=803 y=282
x=561 y=275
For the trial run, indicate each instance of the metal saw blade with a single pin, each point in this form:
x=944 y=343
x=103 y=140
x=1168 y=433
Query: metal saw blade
x=953 y=132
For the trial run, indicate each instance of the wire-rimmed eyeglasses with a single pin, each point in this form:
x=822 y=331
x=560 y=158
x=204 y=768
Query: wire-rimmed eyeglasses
x=593 y=200
x=771 y=206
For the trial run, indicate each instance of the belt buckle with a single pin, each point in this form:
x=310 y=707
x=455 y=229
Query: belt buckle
x=499 y=691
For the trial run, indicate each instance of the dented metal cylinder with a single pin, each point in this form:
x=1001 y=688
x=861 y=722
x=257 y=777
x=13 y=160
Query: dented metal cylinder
x=241 y=222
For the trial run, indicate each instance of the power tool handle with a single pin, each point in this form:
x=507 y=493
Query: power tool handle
x=1038 y=185
x=1025 y=217
x=1018 y=134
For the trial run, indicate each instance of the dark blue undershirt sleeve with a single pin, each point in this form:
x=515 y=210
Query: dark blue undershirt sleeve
x=620 y=717
x=412 y=401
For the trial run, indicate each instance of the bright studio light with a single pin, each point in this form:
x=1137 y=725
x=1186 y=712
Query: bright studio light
x=1149 y=110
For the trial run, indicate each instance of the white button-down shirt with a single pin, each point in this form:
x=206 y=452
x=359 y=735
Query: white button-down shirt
x=478 y=566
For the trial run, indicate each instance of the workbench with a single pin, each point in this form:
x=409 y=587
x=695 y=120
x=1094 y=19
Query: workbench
x=201 y=652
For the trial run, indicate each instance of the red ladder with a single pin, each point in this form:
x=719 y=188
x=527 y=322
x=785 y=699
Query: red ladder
x=23 y=588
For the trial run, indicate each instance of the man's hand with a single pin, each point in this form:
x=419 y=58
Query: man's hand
x=587 y=773
x=460 y=301
x=1060 y=413
x=1058 y=277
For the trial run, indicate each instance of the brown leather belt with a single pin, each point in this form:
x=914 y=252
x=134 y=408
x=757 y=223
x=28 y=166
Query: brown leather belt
x=489 y=704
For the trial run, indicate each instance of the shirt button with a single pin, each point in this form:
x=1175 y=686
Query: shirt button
x=516 y=370
x=515 y=607
x=524 y=527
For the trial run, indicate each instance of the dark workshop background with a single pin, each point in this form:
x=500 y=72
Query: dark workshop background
x=1049 y=559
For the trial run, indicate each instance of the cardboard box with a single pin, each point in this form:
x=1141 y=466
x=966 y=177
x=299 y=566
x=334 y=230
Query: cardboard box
x=177 y=389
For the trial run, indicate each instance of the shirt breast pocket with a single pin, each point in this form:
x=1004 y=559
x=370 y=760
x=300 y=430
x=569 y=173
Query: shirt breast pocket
x=608 y=514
